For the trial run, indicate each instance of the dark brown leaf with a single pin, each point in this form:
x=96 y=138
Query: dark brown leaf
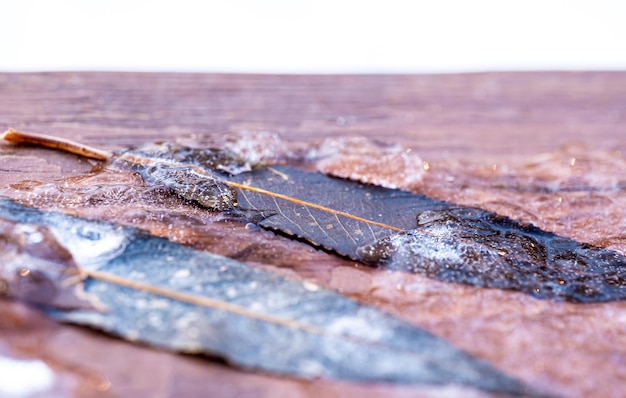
x=394 y=228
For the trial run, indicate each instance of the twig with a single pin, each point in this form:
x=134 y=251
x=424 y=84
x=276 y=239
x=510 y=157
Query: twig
x=49 y=141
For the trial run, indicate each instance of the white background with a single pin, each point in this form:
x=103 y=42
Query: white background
x=321 y=36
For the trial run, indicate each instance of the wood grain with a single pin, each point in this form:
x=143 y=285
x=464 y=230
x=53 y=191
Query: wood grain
x=461 y=115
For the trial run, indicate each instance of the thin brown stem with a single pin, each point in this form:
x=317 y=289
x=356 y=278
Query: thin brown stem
x=49 y=141
x=202 y=301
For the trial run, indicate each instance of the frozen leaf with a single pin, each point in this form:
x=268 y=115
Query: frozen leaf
x=333 y=213
x=483 y=249
x=167 y=295
x=405 y=231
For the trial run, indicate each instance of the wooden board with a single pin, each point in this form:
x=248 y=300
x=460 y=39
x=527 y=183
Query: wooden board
x=481 y=120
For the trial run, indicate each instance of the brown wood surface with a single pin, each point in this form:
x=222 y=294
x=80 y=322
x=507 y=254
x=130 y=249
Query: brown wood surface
x=449 y=120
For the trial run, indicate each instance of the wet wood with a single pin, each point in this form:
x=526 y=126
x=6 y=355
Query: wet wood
x=450 y=120
x=491 y=114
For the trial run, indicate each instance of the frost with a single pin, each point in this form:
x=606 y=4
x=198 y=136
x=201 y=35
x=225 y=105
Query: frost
x=91 y=245
x=221 y=160
x=182 y=273
x=191 y=185
x=30 y=233
x=256 y=146
x=24 y=378
x=310 y=286
x=360 y=159
x=484 y=249
x=358 y=327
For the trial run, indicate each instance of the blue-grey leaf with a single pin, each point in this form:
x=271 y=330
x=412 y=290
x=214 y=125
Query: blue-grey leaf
x=167 y=295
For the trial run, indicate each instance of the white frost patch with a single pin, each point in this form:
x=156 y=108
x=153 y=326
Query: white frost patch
x=20 y=378
x=361 y=159
x=132 y=335
x=356 y=327
x=91 y=245
x=182 y=273
x=256 y=146
x=310 y=286
x=155 y=320
x=312 y=368
x=159 y=303
x=141 y=304
x=256 y=306
x=137 y=275
x=185 y=321
x=30 y=233
x=435 y=245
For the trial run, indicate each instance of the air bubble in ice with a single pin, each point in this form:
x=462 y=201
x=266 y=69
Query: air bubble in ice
x=88 y=233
